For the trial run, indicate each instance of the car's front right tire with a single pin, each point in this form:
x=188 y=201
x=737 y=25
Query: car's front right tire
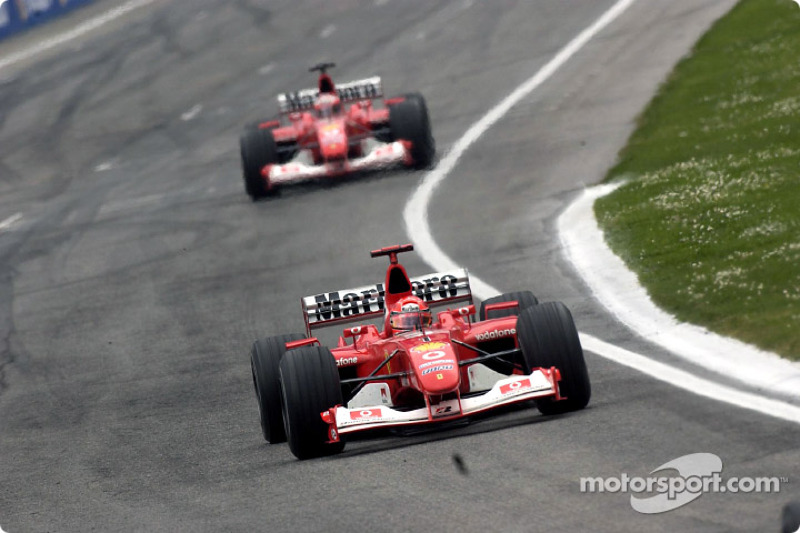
x=258 y=149
x=310 y=385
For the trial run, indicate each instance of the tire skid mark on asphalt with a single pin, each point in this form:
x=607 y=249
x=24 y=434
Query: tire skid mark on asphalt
x=415 y=216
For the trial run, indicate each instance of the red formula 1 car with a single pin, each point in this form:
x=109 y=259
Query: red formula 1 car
x=319 y=136
x=414 y=371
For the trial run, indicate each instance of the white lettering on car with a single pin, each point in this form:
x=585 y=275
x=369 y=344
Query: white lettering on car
x=496 y=334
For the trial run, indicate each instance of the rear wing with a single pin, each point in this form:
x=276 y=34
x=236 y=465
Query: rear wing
x=303 y=100
x=353 y=305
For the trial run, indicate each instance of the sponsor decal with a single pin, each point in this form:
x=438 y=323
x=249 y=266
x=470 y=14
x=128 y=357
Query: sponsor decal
x=438 y=354
x=516 y=386
x=370 y=299
x=334 y=305
x=441 y=410
x=428 y=346
x=356 y=330
x=496 y=334
x=428 y=289
x=431 y=363
x=348 y=92
x=297 y=100
x=437 y=369
x=346 y=361
x=360 y=90
x=365 y=414
x=439 y=376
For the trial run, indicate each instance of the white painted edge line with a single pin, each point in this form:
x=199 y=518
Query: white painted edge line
x=415 y=216
x=74 y=33
x=690 y=382
x=618 y=289
x=10 y=221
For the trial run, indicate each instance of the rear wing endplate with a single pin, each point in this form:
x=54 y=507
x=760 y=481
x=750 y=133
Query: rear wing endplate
x=303 y=100
x=362 y=303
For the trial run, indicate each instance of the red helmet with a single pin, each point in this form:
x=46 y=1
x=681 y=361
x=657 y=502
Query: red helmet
x=327 y=105
x=409 y=314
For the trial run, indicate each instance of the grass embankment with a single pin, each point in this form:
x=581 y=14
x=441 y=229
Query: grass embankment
x=710 y=219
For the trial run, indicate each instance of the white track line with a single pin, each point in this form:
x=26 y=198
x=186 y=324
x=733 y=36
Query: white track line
x=415 y=215
x=618 y=289
x=10 y=221
x=77 y=31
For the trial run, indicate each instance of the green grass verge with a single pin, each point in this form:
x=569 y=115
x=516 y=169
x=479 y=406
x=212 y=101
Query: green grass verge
x=710 y=216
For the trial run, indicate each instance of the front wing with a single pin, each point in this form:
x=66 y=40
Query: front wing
x=382 y=156
x=539 y=384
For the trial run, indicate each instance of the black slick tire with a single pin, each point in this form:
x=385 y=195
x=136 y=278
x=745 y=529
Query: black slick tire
x=258 y=149
x=265 y=356
x=547 y=337
x=526 y=299
x=409 y=121
x=310 y=385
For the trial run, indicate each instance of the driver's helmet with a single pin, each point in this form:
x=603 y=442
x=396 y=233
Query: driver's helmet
x=327 y=105
x=409 y=314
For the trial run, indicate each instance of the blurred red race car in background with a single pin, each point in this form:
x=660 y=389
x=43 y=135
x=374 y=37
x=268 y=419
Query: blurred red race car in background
x=319 y=136
x=413 y=371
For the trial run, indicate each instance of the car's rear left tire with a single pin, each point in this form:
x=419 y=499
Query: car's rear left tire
x=504 y=365
x=525 y=299
x=310 y=385
x=548 y=338
x=258 y=149
x=265 y=358
x=409 y=121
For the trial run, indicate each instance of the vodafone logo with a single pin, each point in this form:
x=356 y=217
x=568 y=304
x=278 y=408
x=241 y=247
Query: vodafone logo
x=496 y=334
x=437 y=354
x=365 y=413
x=516 y=386
x=346 y=361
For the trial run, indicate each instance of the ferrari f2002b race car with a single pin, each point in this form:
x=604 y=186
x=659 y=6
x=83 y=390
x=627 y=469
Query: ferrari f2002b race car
x=414 y=371
x=318 y=136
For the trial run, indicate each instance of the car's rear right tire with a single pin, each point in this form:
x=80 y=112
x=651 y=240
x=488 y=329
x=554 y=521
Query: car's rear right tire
x=310 y=385
x=258 y=149
x=265 y=356
x=548 y=338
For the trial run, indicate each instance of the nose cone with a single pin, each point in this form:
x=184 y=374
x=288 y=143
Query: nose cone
x=332 y=142
x=435 y=366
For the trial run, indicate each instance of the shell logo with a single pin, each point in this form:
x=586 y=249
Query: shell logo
x=428 y=347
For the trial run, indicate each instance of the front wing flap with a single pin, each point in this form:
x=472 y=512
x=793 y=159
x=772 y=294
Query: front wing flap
x=540 y=383
x=382 y=156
